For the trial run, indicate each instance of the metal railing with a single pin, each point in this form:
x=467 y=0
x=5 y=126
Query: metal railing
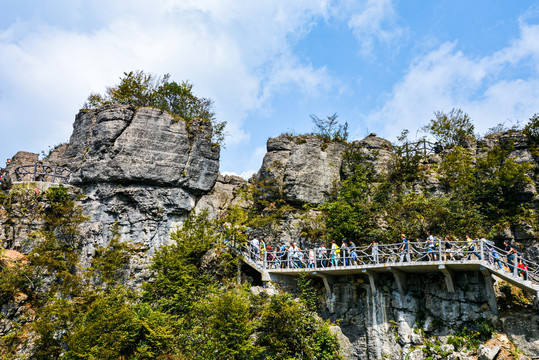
x=42 y=172
x=421 y=147
x=418 y=253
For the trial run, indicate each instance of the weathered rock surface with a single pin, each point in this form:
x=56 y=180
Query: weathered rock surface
x=304 y=168
x=141 y=169
x=522 y=328
x=137 y=168
x=388 y=324
x=375 y=151
x=227 y=192
x=119 y=144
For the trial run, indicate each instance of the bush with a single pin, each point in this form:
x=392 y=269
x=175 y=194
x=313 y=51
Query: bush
x=288 y=331
x=113 y=327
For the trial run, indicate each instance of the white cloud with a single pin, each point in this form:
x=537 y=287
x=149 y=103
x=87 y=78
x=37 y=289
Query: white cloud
x=484 y=87
x=372 y=21
x=237 y=53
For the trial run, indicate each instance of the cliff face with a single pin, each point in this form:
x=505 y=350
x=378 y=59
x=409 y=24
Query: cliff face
x=118 y=144
x=303 y=167
x=138 y=168
x=141 y=169
x=391 y=325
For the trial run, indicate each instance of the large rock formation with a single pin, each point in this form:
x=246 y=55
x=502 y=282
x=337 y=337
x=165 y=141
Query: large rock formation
x=229 y=191
x=304 y=168
x=118 y=144
x=388 y=324
x=141 y=169
x=138 y=168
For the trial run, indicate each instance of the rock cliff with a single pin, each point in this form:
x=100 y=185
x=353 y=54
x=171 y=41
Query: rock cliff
x=141 y=169
x=138 y=168
x=388 y=324
x=304 y=168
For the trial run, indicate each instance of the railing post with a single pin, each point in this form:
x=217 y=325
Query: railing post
x=54 y=174
x=35 y=172
x=264 y=261
x=481 y=250
x=515 y=266
x=288 y=259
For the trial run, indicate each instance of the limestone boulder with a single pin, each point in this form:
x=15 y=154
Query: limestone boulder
x=227 y=192
x=121 y=144
x=304 y=169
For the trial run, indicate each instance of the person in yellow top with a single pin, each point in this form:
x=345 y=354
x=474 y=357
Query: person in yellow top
x=335 y=251
x=471 y=248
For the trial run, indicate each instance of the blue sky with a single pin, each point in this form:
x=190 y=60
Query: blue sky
x=382 y=66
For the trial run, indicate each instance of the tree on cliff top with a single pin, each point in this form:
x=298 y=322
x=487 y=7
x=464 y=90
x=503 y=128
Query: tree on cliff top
x=140 y=89
x=452 y=129
x=329 y=129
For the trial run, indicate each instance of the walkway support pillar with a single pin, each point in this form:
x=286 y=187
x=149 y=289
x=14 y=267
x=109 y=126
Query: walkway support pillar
x=400 y=279
x=327 y=279
x=449 y=283
x=373 y=279
x=489 y=285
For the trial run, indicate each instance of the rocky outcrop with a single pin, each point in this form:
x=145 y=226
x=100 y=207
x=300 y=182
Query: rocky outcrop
x=228 y=191
x=374 y=151
x=118 y=144
x=388 y=324
x=140 y=169
x=304 y=168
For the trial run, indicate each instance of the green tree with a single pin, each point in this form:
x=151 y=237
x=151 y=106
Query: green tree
x=329 y=129
x=451 y=129
x=288 y=331
x=501 y=183
x=178 y=279
x=109 y=262
x=224 y=327
x=115 y=327
x=140 y=89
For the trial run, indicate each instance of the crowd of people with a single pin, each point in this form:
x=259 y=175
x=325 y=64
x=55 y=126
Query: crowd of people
x=347 y=253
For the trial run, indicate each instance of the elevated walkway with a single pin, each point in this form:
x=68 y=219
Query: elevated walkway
x=371 y=261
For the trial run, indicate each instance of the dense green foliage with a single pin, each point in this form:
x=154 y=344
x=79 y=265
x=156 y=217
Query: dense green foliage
x=216 y=318
x=191 y=309
x=483 y=189
x=287 y=331
x=140 y=89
